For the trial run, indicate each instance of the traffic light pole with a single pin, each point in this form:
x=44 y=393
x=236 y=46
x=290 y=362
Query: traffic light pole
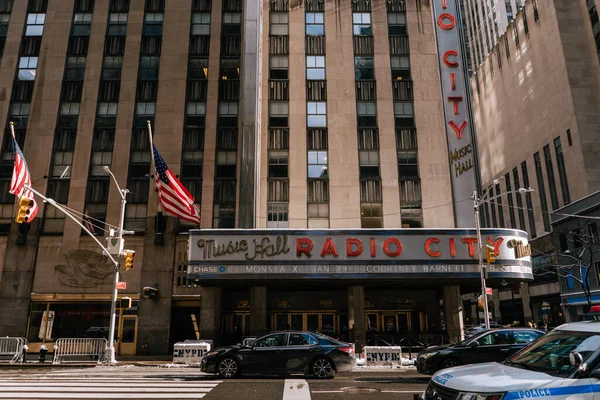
x=486 y=316
x=110 y=351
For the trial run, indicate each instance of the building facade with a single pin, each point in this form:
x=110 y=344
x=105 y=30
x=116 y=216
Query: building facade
x=536 y=95
x=274 y=114
x=485 y=22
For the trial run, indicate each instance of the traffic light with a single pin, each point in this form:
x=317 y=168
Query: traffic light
x=126 y=303
x=25 y=205
x=129 y=254
x=490 y=255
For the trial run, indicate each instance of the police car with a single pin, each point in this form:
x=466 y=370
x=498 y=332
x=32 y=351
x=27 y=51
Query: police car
x=563 y=364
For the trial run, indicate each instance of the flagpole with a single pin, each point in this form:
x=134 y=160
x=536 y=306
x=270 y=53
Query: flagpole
x=152 y=165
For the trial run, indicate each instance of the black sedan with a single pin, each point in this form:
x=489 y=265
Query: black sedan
x=282 y=353
x=487 y=346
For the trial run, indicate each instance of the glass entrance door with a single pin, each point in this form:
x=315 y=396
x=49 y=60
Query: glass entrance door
x=323 y=322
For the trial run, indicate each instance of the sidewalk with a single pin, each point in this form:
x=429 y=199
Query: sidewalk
x=146 y=361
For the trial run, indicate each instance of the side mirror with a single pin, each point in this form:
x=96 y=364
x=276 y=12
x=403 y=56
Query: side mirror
x=575 y=359
x=474 y=344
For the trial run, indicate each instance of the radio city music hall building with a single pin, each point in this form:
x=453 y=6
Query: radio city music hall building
x=341 y=125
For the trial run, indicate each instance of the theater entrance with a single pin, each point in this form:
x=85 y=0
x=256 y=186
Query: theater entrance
x=326 y=322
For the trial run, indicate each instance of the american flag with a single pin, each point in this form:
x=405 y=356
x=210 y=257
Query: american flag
x=20 y=177
x=173 y=196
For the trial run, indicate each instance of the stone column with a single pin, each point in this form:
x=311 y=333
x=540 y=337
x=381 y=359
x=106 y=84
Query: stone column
x=527 y=315
x=356 y=317
x=258 y=311
x=453 y=313
x=210 y=314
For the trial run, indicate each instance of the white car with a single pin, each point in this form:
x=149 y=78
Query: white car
x=563 y=364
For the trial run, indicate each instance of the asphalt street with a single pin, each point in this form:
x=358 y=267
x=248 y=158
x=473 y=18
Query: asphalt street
x=134 y=382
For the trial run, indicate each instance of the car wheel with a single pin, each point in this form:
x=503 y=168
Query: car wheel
x=228 y=368
x=322 y=368
x=449 y=363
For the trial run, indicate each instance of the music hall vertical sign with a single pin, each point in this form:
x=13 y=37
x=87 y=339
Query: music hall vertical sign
x=459 y=133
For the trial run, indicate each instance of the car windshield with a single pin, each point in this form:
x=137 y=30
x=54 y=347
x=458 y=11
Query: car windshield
x=550 y=354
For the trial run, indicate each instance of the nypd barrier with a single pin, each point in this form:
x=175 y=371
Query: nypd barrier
x=12 y=349
x=190 y=351
x=383 y=356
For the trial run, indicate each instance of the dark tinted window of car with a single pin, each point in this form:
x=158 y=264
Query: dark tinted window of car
x=494 y=338
x=277 y=339
x=523 y=337
x=301 y=339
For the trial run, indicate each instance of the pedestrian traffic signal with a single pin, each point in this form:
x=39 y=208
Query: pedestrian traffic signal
x=490 y=255
x=129 y=254
x=25 y=205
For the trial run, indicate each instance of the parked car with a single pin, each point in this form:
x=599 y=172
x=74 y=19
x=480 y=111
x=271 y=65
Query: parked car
x=492 y=345
x=563 y=364
x=282 y=352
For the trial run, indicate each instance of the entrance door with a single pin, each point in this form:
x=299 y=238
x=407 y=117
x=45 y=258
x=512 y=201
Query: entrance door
x=323 y=322
x=127 y=334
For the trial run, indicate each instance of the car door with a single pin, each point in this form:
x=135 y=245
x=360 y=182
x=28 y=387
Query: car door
x=266 y=354
x=301 y=347
x=494 y=346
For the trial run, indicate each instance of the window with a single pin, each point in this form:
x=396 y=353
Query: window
x=81 y=24
x=277 y=215
x=69 y=109
x=195 y=109
x=279 y=67
x=275 y=340
x=318 y=198
x=315 y=67
x=146 y=108
x=562 y=171
x=107 y=109
x=317 y=114
x=563 y=242
x=117 y=24
x=551 y=181
x=524 y=337
x=149 y=68
x=542 y=191
x=400 y=68
x=230 y=69
x=366 y=113
x=494 y=338
x=201 y=24
x=232 y=24
x=500 y=206
x=520 y=209
x=112 y=68
x=278 y=163
x=511 y=205
x=35 y=24
x=301 y=339
x=396 y=24
x=314 y=24
x=27 y=68
x=404 y=113
x=361 y=24
x=410 y=194
x=198 y=68
x=364 y=68
x=278 y=114
x=153 y=24
x=317 y=164
x=371 y=215
x=278 y=23
x=569 y=138
x=597 y=269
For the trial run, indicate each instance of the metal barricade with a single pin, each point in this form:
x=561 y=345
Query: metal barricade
x=13 y=349
x=78 y=348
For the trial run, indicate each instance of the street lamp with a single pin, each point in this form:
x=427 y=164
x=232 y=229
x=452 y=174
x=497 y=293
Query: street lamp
x=113 y=307
x=477 y=202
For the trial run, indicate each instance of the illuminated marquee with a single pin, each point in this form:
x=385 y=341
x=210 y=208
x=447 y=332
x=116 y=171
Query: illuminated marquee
x=231 y=254
x=456 y=109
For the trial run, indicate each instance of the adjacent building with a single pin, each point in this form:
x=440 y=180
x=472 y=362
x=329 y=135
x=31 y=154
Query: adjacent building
x=485 y=22
x=536 y=99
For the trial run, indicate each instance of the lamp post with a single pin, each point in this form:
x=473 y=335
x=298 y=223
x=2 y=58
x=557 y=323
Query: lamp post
x=477 y=202
x=113 y=307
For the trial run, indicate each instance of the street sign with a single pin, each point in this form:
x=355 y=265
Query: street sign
x=121 y=285
x=488 y=290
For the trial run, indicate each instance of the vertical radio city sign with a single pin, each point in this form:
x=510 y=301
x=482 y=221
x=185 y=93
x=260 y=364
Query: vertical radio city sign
x=459 y=135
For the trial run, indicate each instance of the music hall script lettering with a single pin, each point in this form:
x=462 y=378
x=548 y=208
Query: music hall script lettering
x=257 y=249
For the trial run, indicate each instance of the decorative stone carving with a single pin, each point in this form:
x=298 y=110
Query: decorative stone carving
x=84 y=269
